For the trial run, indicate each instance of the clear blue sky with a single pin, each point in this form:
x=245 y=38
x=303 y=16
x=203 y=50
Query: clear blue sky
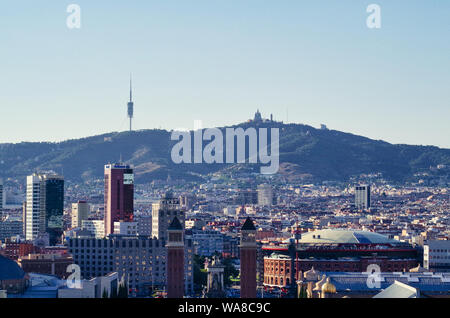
x=219 y=61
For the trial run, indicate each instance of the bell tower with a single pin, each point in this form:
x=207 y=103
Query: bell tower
x=248 y=259
x=175 y=260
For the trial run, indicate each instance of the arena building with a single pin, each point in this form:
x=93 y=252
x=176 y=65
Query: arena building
x=12 y=278
x=335 y=250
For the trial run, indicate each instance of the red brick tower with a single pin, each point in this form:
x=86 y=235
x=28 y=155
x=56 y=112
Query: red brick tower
x=248 y=259
x=175 y=260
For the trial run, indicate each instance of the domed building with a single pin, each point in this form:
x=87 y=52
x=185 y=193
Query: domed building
x=12 y=278
x=328 y=289
x=337 y=250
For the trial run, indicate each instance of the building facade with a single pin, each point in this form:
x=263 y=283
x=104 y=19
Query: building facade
x=50 y=264
x=9 y=228
x=1 y=199
x=335 y=250
x=436 y=256
x=45 y=206
x=96 y=227
x=163 y=213
x=139 y=260
x=362 y=197
x=80 y=212
x=207 y=243
x=119 y=195
x=265 y=195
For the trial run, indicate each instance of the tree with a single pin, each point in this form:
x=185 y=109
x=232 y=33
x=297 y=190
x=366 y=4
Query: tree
x=200 y=275
x=229 y=270
x=302 y=293
x=123 y=291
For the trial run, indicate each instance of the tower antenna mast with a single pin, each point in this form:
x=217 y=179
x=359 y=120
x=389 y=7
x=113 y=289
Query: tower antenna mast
x=131 y=104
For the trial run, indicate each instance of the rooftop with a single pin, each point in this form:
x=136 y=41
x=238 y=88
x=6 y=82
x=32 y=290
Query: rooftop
x=9 y=269
x=342 y=236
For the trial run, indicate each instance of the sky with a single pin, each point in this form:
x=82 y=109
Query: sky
x=310 y=62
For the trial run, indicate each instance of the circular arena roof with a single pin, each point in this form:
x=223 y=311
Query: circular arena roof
x=342 y=236
x=9 y=269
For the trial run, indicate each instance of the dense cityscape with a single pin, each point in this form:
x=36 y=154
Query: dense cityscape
x=224 y=157
x=235 y=235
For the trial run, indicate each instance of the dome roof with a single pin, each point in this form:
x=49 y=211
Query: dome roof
x=10 y=270
x=344 y=236
x=328 y=287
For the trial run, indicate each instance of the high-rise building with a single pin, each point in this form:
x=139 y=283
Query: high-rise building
x=248 y=259
x=119 y=195
x=175 y=259
x=265 y=195
x=1 y=199
x=80 y=212
x=163 y=213
x=362 y=197
x=45 y=206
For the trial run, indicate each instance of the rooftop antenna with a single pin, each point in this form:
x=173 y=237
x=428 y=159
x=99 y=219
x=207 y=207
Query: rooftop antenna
x=131 y=104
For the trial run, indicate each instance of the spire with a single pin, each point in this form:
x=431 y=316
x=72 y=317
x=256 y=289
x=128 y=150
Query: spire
x=175 y=225
x=131 y=88
x=130 y=103
x=248 y=225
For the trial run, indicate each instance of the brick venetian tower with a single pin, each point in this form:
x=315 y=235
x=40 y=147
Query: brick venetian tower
x=248 y=259
x=175 y=260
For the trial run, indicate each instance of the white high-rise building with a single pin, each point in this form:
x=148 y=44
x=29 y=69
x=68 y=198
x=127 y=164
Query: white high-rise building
x=265 y=195
x=44 y=206
x=80 y=212
x=35 y=211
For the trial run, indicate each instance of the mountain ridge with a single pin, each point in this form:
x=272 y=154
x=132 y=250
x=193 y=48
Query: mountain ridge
x=315 y=154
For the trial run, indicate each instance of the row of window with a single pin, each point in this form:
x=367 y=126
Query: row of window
x=276 y=281
x=111 y=243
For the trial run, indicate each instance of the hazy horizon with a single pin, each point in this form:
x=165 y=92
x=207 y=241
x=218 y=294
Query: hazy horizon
x=218 y=61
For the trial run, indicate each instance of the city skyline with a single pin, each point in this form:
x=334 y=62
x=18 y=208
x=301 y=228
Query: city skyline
x=220 y=62
x=213 y=150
